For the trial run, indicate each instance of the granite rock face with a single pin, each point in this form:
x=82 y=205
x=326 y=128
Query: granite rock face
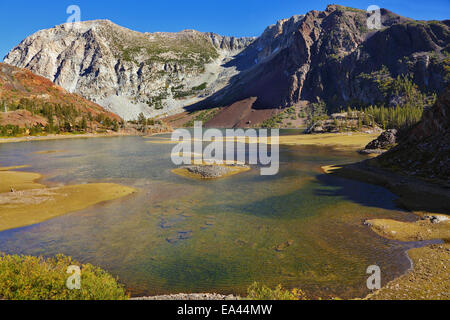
x=129 y=72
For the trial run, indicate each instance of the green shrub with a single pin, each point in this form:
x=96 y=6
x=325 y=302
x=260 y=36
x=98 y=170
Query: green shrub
x=200 y=87
x=32 y=278
x=261 y=292
x=274 y=122
x=10 y=130
x=204 y=117
x=182 y=94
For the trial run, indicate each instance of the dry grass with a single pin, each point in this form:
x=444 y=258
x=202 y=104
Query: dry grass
x=340 y=141
x=354 y=140
x=429 y=280
x=411 y=231
x=64 y=136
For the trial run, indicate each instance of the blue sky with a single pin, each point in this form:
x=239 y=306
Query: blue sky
x=20 y=18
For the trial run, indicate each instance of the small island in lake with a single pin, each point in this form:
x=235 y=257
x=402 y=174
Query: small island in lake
x=211 y=171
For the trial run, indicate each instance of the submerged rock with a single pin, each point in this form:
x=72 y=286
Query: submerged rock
x=166 y=225
x=284 y=245
x=182 y=235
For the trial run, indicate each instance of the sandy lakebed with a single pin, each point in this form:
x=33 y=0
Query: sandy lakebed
x=25 y=202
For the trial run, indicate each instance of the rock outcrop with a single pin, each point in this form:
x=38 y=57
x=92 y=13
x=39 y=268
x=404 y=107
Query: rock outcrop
x=386 y=140
x=424 y=151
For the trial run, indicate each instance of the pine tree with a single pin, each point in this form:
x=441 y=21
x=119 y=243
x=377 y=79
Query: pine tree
x=83 y=124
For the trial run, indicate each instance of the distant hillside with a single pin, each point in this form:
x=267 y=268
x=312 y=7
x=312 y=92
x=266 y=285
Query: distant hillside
x=35 y=105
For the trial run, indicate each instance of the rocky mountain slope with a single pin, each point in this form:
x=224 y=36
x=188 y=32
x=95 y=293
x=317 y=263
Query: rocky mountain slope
x=129 y=72
x=31 y=101
x=334 y=56
x=330 y=55
x=424 y=151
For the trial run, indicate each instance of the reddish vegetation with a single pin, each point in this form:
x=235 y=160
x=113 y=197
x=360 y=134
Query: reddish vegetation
x=17 y=84
x=22 y=118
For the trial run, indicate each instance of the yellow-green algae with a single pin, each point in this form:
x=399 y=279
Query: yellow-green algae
x=24 y=202
x=48 y=152
x=335 y=140
x=339 y=141
x=14 y=168
x=12 y=180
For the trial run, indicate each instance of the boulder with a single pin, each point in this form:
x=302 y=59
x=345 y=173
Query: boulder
x=386 y=140
x=436 y=219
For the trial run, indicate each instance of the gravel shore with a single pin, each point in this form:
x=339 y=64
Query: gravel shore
x=190 y=297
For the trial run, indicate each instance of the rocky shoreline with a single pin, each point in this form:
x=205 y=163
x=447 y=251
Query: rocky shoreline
x=414 y=194
x=63 y=136
x=210 y=171
x=124 y=133
x=190 y=297
x=213 y=172
x=428 y=277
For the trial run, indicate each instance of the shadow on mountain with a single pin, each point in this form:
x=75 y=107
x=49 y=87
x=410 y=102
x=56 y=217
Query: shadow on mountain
x=267 y=82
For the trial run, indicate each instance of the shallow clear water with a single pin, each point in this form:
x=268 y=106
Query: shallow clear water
x=179 y=235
